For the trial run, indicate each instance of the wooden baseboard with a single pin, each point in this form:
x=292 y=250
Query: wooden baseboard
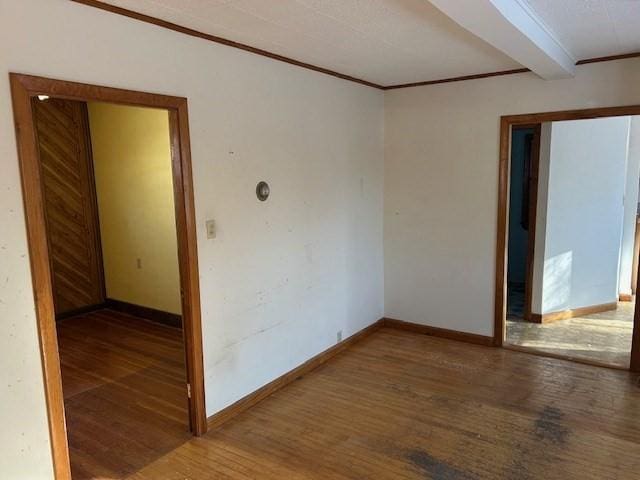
x=158 y=316
x=80 y=311
x=625 y=297
x=576 y=312
x=252 y=399
x=438 y=332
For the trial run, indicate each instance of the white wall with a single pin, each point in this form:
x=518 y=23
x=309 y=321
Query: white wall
x=630 y=207
x=541 y=217
x=282 y=277
x=584 y=168
x=441 y=178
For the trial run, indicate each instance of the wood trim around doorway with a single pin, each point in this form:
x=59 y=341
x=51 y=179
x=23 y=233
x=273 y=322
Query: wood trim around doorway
x=23 y=88
x=572 y=313
x=507 y=123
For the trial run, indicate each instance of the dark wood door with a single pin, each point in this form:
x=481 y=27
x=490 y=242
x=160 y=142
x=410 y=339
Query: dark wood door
x=68 y=184
x=532 y=166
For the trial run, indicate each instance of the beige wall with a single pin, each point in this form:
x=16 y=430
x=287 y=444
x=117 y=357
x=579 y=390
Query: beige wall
x=441 y=184
x=283 y=276
x=132 y=161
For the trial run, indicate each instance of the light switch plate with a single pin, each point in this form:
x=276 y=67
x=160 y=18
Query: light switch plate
x=211 y=229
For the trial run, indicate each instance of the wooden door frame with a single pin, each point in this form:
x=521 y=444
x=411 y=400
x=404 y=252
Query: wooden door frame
x=23 y=88
x=636 y=258
x=507 y=122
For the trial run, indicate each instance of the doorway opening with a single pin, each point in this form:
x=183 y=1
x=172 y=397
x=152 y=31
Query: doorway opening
x=109 y=209
x=569 y=209
x=525 y=146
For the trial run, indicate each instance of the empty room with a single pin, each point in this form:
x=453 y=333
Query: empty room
x=273 y=239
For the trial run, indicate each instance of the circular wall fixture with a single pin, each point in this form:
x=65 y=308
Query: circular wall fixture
x=262 y=191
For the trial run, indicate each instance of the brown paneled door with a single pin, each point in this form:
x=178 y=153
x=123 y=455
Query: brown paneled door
x=70 y=206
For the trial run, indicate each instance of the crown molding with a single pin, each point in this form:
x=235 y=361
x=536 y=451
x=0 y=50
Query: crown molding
x=223 y=41
x=274 y=56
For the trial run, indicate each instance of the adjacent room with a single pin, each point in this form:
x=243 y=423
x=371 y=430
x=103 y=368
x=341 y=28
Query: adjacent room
x=108 y=200
x=300 y=239
x=573 y=240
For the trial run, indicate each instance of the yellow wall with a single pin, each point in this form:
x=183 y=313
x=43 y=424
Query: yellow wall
x=132 y=160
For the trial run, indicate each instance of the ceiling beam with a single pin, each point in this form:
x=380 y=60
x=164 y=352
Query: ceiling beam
x=514 y=29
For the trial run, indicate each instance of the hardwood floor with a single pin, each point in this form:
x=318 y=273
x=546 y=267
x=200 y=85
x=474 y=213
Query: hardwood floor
x=124 y=389
x=400 y=405
x=603 y=337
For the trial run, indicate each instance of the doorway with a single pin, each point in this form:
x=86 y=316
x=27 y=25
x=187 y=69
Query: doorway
x=68 y=270
x=570 y=294
x=523 y=194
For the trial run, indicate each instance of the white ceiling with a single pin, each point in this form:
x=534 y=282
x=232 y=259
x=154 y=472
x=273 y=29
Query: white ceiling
x=383 y=41
x=592 y=28
x=391 y=42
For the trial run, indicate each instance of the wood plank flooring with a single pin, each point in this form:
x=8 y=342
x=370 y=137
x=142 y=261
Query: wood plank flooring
x=603 y=337
x=399 y=405
x=124 y=387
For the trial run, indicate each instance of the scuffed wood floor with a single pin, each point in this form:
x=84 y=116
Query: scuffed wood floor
x=407 y=406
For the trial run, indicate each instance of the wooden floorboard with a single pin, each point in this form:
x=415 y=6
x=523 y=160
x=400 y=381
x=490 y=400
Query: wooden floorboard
x=124 y=388
x=400 y=405
x=603 y=337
